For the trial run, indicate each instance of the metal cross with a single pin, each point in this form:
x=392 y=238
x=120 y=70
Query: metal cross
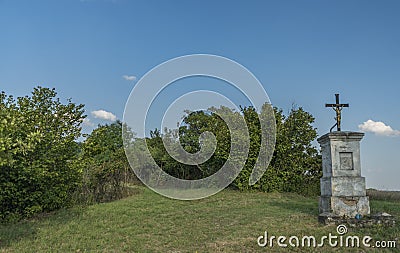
x=338 y=109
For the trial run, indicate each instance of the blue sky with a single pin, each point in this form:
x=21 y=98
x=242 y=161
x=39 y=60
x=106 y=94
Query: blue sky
x=303 y=52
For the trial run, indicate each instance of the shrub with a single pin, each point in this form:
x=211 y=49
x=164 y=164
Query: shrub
x=37 y=150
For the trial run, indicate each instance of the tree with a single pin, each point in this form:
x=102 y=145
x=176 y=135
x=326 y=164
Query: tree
x=38 y=148
x=188 y=136
x=295 y=165
x=106 y=168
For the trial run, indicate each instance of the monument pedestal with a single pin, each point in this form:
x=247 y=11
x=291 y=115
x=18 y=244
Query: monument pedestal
x=343 y=192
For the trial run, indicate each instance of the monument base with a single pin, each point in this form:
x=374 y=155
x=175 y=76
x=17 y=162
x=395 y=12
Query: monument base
x=379 y=219
x=344 y=206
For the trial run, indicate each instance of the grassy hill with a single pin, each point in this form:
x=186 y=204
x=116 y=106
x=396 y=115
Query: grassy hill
x=230 y=221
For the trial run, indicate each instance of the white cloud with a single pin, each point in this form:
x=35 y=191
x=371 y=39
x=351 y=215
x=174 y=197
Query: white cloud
x=129 y=78
x=87 y=122
x=101 y=114
x=378 y=128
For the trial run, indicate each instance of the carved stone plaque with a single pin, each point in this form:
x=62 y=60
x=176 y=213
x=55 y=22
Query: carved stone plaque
x=346 y=160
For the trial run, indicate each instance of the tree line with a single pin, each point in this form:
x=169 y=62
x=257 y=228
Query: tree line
x=44 y=166
x=295 y=165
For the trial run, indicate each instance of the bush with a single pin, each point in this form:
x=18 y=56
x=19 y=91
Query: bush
x=106 y=171
x=37 y=150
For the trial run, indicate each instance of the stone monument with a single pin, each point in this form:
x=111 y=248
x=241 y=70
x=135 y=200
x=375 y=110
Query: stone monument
x=343 y=192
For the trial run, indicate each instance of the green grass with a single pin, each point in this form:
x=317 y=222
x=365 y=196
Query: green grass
x=229 y=221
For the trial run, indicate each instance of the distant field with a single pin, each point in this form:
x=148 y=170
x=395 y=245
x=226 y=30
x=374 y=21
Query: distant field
x=230 y=221
x=383 y=195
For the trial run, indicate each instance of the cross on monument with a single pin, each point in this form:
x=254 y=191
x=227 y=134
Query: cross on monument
x=338 y=109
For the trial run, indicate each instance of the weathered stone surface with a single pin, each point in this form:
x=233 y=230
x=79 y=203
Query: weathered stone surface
x=343 y=191
x=344 y=206
x=341 y=154
x=343 y=186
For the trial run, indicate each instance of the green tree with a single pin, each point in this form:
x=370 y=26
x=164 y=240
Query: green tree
x=106 y=168
x=38 y=147
x=188 y=136
x=295 y=165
